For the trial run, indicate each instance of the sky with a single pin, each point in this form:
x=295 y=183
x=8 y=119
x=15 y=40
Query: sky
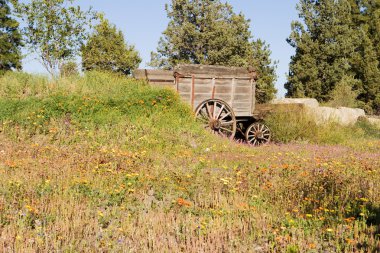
x=143 y=21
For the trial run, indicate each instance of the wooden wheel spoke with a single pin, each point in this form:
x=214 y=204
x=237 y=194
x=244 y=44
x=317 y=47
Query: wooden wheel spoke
x=215 y=106
x=227 y=123
x=226 y=129
x=208 y=111
x=225 y=116
x=220 y=112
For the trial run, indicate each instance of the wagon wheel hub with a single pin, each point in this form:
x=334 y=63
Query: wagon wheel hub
x=257 y=134
x=215 y=124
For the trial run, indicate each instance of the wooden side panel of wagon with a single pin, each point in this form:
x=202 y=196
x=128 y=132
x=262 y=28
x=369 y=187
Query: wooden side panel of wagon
x=156 y=77
x=235 y=86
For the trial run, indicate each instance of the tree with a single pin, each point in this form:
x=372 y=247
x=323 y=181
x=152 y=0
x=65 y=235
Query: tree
x=106 y=50
x=332 y=44
x=10 y=40
x=69 y=69
x=266 y=69
x=343 y=95
x=209 y=32
x=372 y=15
x=55 y=30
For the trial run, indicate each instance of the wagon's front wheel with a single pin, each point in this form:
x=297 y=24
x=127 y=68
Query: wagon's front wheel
x=257 y=134
x=218 y=116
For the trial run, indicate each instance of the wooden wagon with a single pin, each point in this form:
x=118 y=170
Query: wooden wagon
x=223 y=98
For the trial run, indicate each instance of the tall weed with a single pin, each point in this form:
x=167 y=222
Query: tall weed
x=297 y=125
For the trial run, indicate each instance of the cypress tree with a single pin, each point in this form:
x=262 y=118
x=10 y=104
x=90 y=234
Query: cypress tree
x=10 y=40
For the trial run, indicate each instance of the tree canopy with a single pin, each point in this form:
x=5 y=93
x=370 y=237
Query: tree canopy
x=106 y=49
x=334 y=42
x=210 y=32
x=10 y=40
x=54 y=29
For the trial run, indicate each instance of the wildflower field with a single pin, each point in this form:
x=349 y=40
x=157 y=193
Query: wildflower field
x=101 y=163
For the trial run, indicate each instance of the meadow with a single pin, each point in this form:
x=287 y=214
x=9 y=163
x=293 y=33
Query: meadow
x=102 y=163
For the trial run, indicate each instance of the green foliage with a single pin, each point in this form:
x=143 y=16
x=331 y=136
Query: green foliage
x=266 y=69
x=203 y=32
x=210 y=32
x=343 y=95
x=289 y=125
x=368 y=128
x=10 y=40
x=334 y=40
x=106 y=50
x=54 y=30
x=97 y=101
x=69 y=69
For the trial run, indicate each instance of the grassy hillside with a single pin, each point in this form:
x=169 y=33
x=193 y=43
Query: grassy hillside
x=103 y=163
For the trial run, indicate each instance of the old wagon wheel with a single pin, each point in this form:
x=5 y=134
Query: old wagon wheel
x=257 y=134
x=218 y=116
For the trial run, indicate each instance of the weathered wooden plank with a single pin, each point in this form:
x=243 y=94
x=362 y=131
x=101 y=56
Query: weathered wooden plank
x=241 y=97
x=154 y=74
x=214 y=71
x=198 y=89
x=246 y=90
x=203 y=88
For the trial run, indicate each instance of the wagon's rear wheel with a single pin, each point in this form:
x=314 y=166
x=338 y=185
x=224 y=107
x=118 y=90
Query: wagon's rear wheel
x=257 y=134
x=218 y=116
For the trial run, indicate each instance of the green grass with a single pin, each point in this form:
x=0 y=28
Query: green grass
x=103 y=105
x=298 y=126
x=105 y=163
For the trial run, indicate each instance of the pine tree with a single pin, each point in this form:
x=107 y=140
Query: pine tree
x=106 y=50
x=10 y=40
x=372 y=14
x=335 y=45
x=366 y=20
x=209 y=32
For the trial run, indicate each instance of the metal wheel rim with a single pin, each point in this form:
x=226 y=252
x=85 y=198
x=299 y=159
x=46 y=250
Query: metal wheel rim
x=218 y=117
x=258 y=134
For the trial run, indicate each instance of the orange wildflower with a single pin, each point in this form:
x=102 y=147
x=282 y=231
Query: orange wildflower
x=182 y=202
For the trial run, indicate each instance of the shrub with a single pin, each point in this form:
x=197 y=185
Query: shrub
x=290 y=125
x=69 y=69
x=298 y=125
x=343 y=95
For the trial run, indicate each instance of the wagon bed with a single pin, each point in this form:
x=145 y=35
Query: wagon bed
x=223 y=98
